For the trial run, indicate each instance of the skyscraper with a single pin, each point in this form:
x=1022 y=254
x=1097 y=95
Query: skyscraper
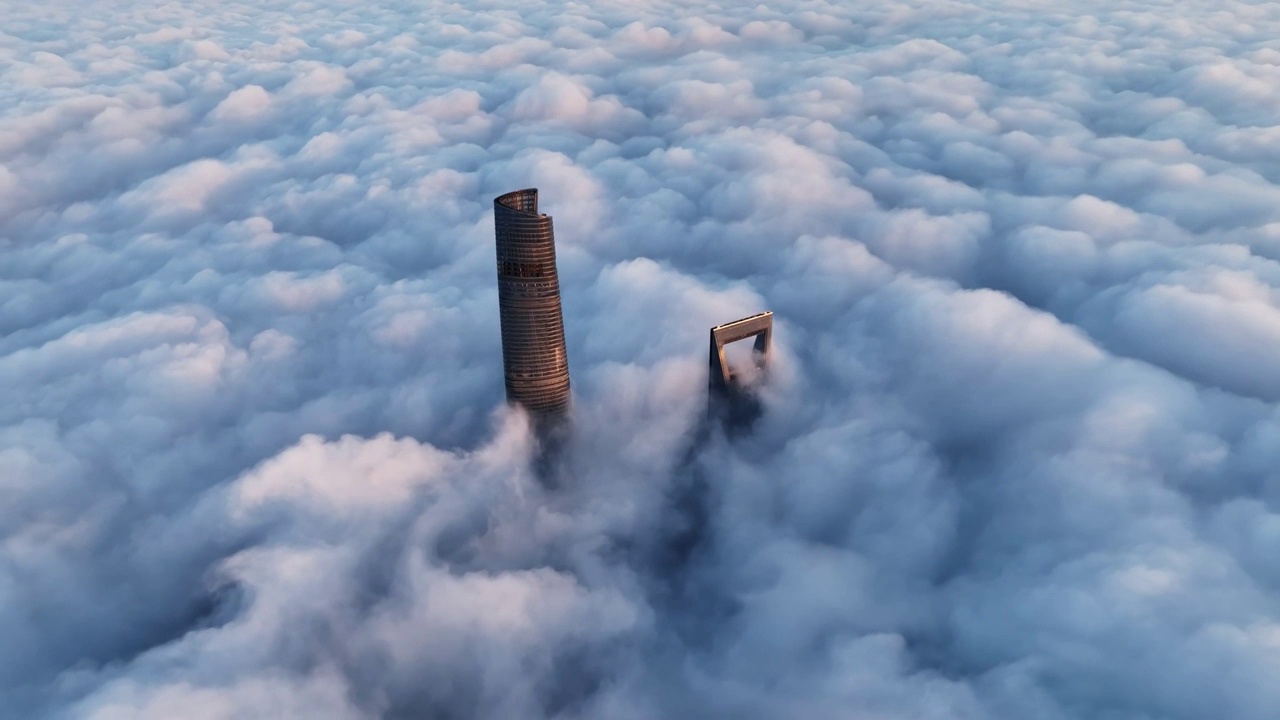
x=533 y=355
x=730 y=396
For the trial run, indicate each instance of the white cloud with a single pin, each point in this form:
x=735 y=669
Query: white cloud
x=246 y=103
x=1019 y=446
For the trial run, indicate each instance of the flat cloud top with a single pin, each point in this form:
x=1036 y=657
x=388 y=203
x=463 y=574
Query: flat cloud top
x=1019 y=447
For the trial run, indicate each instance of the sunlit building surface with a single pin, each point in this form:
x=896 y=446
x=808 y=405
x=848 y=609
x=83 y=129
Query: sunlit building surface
x=731 y=389
x=533 y=352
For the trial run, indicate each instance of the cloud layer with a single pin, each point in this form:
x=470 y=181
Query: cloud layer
x=1019 y=448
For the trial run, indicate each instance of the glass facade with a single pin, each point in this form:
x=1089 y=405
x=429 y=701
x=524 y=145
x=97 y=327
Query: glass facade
x=533 y=354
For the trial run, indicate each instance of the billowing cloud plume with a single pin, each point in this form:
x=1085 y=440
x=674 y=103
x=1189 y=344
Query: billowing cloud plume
x=1019 y=447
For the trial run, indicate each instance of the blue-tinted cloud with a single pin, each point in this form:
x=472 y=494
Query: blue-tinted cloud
x=1019 y=448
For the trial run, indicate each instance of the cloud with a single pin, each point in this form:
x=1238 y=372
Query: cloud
x=1018 y=448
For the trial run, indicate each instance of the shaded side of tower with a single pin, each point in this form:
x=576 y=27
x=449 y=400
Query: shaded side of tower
x=535 y=364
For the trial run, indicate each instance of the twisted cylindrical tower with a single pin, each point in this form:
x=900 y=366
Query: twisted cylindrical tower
x=533 y=354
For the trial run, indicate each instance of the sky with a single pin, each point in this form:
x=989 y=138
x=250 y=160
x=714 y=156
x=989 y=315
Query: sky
x=1018 y=449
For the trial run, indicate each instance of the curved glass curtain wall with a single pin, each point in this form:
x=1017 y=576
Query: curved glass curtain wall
x=533 y=353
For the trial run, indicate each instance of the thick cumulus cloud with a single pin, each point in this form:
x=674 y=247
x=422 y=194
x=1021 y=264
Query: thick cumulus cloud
x=1019 y=447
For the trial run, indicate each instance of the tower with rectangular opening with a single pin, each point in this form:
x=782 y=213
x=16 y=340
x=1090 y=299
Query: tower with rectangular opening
x=535 y=365
x=730 y=393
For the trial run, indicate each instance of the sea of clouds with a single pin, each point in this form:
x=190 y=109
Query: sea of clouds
x=1019 y=457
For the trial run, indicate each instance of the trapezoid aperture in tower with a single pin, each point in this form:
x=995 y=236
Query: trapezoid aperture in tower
x=731 y=396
